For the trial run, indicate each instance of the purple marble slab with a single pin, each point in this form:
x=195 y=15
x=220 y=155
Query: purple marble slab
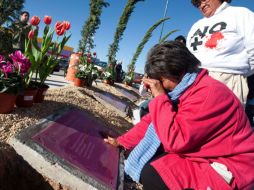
x=113 y=101
x=78 y=139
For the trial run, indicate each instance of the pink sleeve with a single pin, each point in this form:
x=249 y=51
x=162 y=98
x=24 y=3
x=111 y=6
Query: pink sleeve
x=130 y=139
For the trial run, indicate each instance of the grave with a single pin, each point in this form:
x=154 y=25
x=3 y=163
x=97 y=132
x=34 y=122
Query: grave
x=128 y=93
x=112 y=102
x=68 y=148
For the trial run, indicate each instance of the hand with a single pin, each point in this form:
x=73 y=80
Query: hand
x=155 y=86
x=112 y=141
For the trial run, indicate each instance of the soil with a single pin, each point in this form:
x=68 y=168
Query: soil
x=15 y=172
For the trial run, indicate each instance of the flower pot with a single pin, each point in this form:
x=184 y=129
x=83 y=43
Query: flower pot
x=87 y=82
x=127 y=84
x=39 y=98
x=110 y=82
x=106 y=81
x=7 y=102
x=26 y=98
x=78 y=82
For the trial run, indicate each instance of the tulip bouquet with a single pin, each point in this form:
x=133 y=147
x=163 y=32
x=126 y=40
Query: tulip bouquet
x=86 y=70
x=13 y=70
x=44 y=56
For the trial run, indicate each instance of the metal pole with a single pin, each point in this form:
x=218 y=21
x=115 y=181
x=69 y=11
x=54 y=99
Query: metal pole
x=164 y=16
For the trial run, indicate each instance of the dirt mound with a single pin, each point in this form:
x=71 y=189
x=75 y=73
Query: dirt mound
x=15 y=173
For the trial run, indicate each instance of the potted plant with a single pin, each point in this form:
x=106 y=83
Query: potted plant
x=108 y=75
x=44 y=55
x=13 y=71
x=86 y=71
x=129 y=76
x=26 y=92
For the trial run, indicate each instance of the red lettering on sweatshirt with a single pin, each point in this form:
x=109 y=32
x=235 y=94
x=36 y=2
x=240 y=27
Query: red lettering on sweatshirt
x=213 y=41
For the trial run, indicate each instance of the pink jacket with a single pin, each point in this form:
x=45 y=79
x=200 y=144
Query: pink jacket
x=209 y=126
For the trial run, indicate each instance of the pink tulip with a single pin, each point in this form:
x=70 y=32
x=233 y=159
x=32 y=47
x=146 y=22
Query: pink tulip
x=67 y=25
x=31 y=34
x=35 y=20
x=47 y=19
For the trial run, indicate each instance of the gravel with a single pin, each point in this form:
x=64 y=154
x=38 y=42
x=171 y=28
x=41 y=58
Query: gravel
x=56 y=99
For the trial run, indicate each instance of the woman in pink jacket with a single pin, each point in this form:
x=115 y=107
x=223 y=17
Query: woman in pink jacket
x=196 y=135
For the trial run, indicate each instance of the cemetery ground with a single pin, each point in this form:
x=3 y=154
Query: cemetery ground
x=15 y=172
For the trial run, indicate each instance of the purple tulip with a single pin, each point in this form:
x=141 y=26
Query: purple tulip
x=25 y=66
x=17 y=56
x=2 y=58
x=20 y=62
x=7 y=68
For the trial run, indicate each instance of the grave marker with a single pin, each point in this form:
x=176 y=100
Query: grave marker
x=74 y=141
x=130 y=94
x=112 y=102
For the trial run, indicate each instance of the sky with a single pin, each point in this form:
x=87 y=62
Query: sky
x=146 y=13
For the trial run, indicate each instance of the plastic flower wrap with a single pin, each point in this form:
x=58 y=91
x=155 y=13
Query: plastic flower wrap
x=43 y=56
x=13 y=72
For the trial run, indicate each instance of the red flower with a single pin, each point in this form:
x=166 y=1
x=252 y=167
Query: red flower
x=94 y=53
x=47 y=19
x=35 y=20
x=88 y=54
x=67 y=25
x=60 y=28
x=31 y=34
x=89 y=59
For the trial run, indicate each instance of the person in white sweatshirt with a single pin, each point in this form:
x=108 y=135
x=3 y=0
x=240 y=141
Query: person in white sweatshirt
x=224 y=43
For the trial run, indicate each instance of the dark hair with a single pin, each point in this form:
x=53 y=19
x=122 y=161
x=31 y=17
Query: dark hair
x=23 y=12
x=170 y=59
x=181 y=39
x=197 y=3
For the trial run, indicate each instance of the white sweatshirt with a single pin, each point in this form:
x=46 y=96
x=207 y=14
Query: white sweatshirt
x=224 y=42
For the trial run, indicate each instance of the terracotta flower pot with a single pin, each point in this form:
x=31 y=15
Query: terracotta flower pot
x=128 y=84
x=110 y=82
x=7 y=102
x=39 y=98
x=87 y=82
x=78 y=82
x=26 y=99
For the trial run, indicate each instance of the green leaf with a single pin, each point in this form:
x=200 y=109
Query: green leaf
x=167 y=35
x=47 y=42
